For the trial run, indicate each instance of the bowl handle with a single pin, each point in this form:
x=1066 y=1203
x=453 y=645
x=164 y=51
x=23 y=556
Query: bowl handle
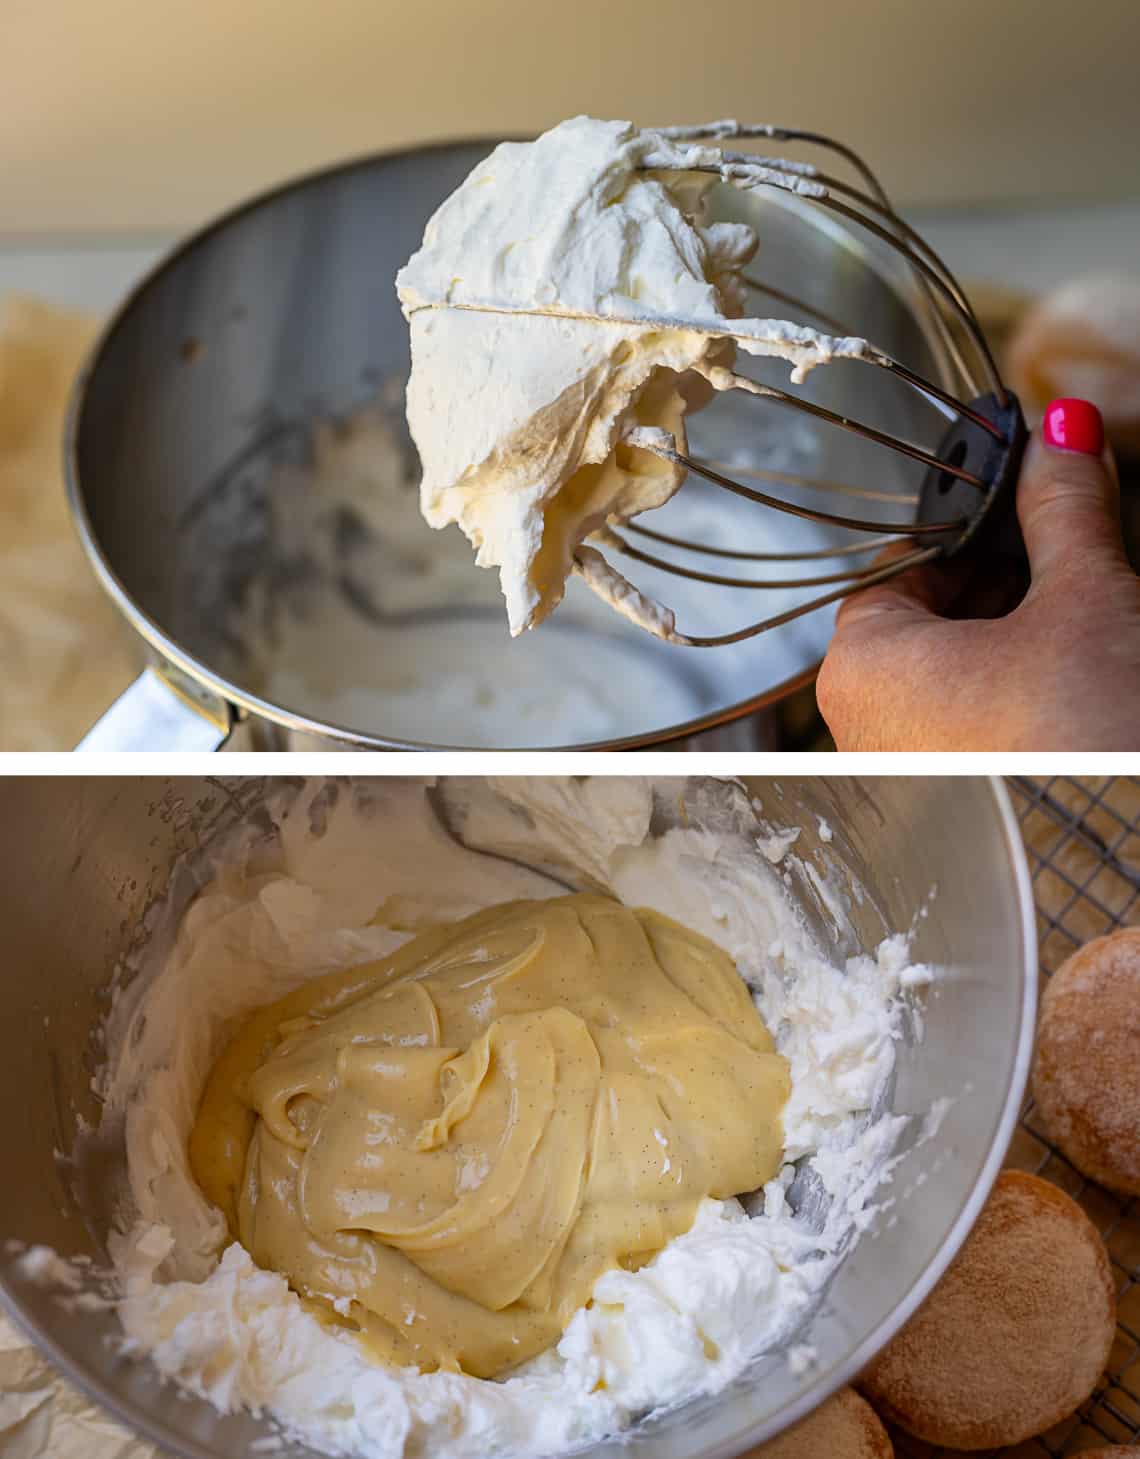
x=162 y=710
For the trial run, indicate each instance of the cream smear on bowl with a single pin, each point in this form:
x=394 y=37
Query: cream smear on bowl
x=359 y=615
x=337 y=874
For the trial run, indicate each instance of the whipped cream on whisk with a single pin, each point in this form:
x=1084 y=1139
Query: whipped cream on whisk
x=570 y=291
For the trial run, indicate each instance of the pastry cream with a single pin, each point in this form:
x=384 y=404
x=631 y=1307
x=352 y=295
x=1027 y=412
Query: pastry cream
x=447 y=1148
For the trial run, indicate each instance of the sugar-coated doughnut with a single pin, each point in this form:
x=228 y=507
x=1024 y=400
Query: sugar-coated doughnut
x=1086 y=1077
x=1016 y=1334
x=845 y=1427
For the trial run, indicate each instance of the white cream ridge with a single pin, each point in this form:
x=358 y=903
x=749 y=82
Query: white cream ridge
x=569 y=294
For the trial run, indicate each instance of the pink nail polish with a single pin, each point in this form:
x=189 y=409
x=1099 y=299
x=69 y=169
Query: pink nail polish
x=1073 y=425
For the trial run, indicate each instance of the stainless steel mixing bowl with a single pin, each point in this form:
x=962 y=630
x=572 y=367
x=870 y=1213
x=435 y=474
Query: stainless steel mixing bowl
x=282 y=313
x=90 y=857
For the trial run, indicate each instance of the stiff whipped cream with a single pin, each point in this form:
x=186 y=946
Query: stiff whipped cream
x=346 y=873
x=571 y=291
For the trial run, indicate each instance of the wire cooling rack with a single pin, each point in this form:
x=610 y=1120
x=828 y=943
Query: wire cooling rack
x=1083 y=840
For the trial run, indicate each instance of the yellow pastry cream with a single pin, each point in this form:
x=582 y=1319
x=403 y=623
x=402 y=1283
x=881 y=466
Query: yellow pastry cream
x=444 y=1150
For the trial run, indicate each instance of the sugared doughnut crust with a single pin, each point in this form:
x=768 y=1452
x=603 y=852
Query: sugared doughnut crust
x=1086 y=1079
x=845 y=1427
x=1016 y=1334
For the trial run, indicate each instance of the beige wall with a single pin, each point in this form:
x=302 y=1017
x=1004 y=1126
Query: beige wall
x=129 y=113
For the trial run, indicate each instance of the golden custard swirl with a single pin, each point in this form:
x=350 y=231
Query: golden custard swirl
x=447 y=1148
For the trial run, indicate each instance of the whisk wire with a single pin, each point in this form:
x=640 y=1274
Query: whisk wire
x=782 y=296
x=812 y=483
x=810 y=514
x=951 y=404
x=821 y=193
x=724 y=129
x=877 y=575
x=854 y=575
x=850 y=549
x=858 y=428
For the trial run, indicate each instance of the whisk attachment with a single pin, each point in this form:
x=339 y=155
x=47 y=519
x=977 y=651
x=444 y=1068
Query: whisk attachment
x=962 y=475
x=966 y=491
x=967 y=486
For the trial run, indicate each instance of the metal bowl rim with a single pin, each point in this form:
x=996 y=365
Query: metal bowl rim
x=848 y=1370
x=845 y=1371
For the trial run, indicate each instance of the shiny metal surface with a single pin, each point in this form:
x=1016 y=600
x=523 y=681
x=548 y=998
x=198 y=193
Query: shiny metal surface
x=154 y=709
x=283 y=313
x=92 y=855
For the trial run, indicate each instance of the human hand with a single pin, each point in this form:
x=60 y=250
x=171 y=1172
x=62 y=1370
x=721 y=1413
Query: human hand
x=1060 y=670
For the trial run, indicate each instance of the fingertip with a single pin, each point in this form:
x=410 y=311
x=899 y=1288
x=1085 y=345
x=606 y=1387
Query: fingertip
x=1068 y=494
x=1072 y=424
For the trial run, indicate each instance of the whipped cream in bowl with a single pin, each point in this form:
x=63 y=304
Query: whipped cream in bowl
x=889 y=966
